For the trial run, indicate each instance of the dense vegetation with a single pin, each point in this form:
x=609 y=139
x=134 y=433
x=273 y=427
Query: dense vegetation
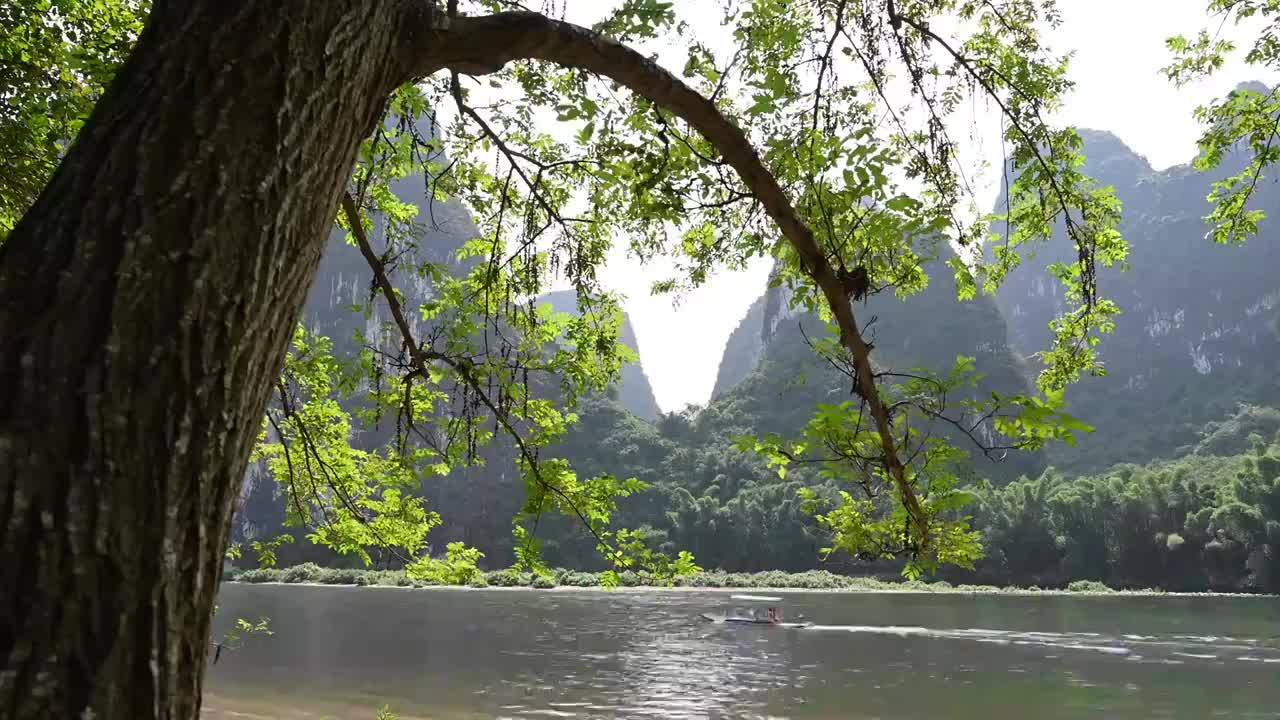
x=1207 y=519
x=1048 y=528
x=559 y=577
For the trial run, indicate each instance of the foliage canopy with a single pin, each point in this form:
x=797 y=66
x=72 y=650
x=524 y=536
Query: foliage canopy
x=821 y=133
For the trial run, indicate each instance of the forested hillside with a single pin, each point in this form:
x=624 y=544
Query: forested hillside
x=1209 y=518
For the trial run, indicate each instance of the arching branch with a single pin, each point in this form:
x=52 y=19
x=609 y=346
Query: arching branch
x=480 y=45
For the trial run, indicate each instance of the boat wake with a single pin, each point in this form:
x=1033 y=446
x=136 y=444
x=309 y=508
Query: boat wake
x=1168 y=649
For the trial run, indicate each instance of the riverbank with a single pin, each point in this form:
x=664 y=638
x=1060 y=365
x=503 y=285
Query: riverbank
x=773 y=580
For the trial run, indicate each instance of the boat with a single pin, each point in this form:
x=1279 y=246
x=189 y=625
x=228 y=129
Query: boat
x=756 y=610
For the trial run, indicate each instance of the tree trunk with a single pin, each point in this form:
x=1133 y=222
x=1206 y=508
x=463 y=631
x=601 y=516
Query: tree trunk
x=146 y=302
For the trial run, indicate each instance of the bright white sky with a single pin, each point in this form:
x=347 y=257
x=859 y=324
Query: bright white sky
x=1119 y=47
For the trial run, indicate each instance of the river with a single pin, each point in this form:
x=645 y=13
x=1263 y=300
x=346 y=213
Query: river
x=341 y=652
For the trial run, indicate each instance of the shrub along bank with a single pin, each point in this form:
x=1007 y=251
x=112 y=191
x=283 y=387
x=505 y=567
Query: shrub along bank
x=310 y=573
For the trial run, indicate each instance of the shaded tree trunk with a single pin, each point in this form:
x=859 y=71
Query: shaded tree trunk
x=146 y=302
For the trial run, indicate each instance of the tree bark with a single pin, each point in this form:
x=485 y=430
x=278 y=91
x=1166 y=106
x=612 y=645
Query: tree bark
x=146 y=302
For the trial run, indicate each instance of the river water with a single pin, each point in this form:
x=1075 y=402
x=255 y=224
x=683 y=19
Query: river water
x=342 y=652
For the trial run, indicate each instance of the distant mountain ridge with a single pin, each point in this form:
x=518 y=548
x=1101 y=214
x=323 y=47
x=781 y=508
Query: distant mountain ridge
x=1200 y=333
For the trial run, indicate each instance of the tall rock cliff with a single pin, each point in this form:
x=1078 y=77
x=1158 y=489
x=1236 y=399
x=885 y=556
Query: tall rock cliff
x=742 y=351
x=1200 y=330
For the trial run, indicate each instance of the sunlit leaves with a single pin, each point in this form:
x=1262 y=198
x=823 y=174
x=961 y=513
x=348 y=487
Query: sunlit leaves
x=1196 y=57
x=1246 y=121
x=351 y=500
x=266 y=549
x=637 y=19
x=1037 y=420
x=234 y=638
x=870 y=520
x=500 y=364
x=1049 y=193
x=459 y=566
x=56 y=58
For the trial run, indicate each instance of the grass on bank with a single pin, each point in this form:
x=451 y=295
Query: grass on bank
x=311 y=573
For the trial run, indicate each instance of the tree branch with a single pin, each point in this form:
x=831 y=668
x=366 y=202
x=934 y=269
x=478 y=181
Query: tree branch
x=420 y=357
x=482 y=45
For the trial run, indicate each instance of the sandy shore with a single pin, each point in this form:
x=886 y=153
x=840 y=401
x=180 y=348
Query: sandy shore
x=272 y=706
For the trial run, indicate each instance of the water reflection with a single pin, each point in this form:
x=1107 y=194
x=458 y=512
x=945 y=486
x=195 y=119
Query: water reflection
x=667 y=664
x=342 y=652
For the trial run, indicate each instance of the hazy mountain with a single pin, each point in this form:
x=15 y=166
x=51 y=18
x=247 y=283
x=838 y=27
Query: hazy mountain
x=1199 y=332
x=633 y=391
